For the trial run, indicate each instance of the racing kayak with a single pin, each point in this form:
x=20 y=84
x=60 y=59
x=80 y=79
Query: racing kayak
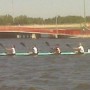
x=42 y=54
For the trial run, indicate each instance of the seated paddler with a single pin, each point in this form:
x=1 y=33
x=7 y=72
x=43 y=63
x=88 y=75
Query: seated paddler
x=34 y=51
x=79 y=49
x=11 y=51
x=57 y=50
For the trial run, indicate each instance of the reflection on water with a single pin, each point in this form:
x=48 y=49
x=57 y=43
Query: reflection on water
x=66 y=72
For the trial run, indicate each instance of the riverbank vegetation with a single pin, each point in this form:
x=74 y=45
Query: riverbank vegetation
x=24 y=20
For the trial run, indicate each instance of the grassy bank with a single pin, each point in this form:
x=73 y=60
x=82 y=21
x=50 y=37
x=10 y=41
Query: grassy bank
x=58 y=26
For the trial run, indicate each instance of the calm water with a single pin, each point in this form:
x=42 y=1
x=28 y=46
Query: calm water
x=66 y=72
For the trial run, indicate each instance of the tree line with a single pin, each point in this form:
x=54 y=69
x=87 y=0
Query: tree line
x=24 y=20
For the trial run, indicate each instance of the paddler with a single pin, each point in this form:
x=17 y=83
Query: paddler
x=80 y=49
x=35 y=50
x=57 y=50
x=11 y=51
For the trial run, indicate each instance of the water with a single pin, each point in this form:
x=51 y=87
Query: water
x=65 y=72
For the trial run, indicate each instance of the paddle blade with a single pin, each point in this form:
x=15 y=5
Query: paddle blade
x=47 y=44
x=22 y=44
x=68 y=45
x=2 y=45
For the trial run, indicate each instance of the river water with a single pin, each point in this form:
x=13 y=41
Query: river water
x=60 y=72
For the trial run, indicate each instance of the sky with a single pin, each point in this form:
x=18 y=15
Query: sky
x=44 y=8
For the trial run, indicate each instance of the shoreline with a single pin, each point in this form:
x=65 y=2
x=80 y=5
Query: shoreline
x=64 y=26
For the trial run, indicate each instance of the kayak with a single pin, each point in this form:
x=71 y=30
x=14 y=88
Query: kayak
x=25 y=54
x=42 y=54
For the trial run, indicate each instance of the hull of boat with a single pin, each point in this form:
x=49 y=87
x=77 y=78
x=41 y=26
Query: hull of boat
x=42 y=54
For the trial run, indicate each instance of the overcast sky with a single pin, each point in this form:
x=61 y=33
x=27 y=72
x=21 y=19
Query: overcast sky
x=44 y=8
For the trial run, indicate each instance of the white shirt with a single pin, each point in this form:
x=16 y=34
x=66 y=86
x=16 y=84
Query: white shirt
x=81 y=49
x=35 y=50
x=13 y=50
x=58 y=50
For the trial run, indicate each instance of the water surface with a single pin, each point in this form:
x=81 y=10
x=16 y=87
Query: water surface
x=65 y=72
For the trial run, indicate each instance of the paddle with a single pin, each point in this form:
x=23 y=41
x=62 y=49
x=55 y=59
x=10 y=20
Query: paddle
x=52 y=49
x=2 y=46
x=47 y=43
x=22 y=44
x=68 y=45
